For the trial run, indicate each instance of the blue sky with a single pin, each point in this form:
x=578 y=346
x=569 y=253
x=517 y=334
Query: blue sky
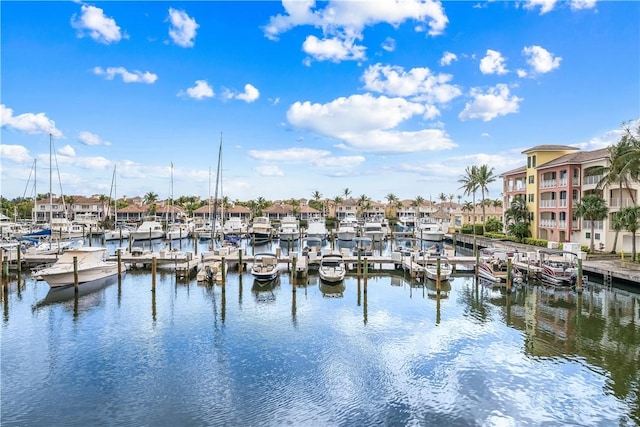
x=374 y=97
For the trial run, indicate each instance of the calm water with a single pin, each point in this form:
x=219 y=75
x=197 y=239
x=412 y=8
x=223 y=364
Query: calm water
x=388 y=352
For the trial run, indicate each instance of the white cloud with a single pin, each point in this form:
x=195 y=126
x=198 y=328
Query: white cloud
x=497 y=101
x=201 y=90
x=521 y=73
x=29 y=122
x=88 y=138
x=381 y=141
x=448 y=58
x=16 y=153
x=342 y=22
x=389 y=44
x=544 y=5
x=338 y=162
x=269 y=170
x=541 y=60
x=127 y=76
x=419 y=83
x=67 y=150
x=288 y=155
x=493 y=63
x=582 y=4
x=250 y=93
x=183 y=28
x=92 y=21
x=333 y=49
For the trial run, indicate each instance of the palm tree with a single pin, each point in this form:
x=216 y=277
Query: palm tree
x=592 y=208
x=630 y=220
x=470 y=186
x=517 y=218
x=346 y=193
x=442 y=197
x=362 y=200
x=483 y=177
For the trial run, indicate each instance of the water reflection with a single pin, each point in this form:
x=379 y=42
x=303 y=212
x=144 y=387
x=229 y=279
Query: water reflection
x=389 y=351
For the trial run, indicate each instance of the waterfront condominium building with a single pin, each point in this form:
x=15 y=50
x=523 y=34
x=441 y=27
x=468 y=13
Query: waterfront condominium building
x=553 y=181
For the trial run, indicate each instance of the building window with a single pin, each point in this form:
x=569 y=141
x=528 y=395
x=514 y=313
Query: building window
x=533 y=162
x=587 y=235
x=532 y=179
x=596 y=236
x=528 y=161
x=531 y=198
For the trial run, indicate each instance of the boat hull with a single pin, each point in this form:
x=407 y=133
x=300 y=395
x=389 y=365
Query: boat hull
x=65 y=277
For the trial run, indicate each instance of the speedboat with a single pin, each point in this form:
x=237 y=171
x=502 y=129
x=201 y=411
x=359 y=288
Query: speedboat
x=289 y=229
x=89 y=262
x=493 y=266
x=265 y=267
x=437 y=266
x=558 y=267
x=332 y=268
x=430 y=230
x=149 y=229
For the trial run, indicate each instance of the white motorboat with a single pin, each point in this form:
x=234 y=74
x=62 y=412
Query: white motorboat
x=347 y=229
x=234 y=226
x=149 y=229
x=493 y=266
x=317 y=228
x=430 y=230
x=332 y=267
x=289 y=229
x=261 y=229
x=373 y=228
x=265 y=267
x=437 y=266
x=121 y=232
x=89 y=262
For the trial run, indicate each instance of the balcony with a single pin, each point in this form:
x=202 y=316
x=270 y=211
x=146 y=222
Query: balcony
x=563 y=182
x=548 y=223
x=563 y=203
x=562 y=225
x=547 y=203
x=615 y=202
x=597 y=225
x=551 y=183
x=592 y=180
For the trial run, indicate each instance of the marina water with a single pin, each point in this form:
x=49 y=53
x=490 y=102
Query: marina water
x=385 y=351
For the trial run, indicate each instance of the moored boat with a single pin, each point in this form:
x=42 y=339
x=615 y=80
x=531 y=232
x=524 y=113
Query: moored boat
x=90 y=263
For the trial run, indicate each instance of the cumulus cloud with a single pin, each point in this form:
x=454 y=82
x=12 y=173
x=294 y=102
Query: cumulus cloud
x=343 y=22
x=67 y=150
x=183 y=28
x=418 y=83
x=541 y=60
x=544 y=5
x=29 y=122
x=250 y=93
x=269 y=170
x=16 y=153
x=88 y=138
x=201 y=90
x=582 y=4
x=288 y=155
x=333 y=49
x=383 y=141
x=497 y=101
x=127 y=76
x=448 y=58
x=338 y=162
x=389 y=44
x=92 y=21
x=493 y=63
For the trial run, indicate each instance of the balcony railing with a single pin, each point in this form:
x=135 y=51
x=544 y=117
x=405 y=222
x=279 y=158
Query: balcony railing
x=563 y=182
x=547 y=203
x=562 y=225
x=548 y=183
x=615 y=202
x=575 y=181
x=562 y=203
x=548 y=223
x=598 y=225
x=592 y=179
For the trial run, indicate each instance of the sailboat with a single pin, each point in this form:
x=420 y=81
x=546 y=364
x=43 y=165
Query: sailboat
x=212 y=265
x=120 y=232
x=177 y=229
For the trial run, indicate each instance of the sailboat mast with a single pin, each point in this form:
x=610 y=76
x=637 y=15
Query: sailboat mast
x=215 y=197
x=50 y=178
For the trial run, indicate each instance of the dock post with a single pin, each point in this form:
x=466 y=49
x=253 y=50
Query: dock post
x=438 y=281
x=75 y=273
x=366 y=267
x=195 y=244
x=19 y=261
x=294 y=272
x=5 y=267
x=358 y=269
x=154 y=263
x=240 y=261
x=475 y=270
x=579 y=278
x=90 y=235
x=224 y=270
x=119 y=254
x=509 y=278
